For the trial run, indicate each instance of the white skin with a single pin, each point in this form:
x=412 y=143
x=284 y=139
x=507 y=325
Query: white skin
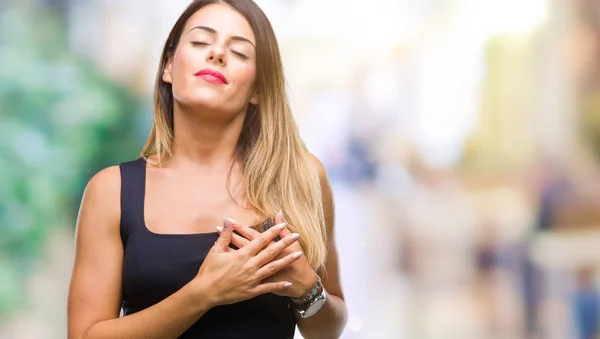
x=230 y=49
x=219 y=38
x=189 y=195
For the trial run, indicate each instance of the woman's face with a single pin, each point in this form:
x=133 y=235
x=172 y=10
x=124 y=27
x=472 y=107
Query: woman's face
x=214 y=64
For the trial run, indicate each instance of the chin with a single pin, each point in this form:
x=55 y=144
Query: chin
x=204 y=99
x=211 y=101
x=213 y=106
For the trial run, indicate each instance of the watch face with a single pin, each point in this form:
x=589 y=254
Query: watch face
x=315 y=307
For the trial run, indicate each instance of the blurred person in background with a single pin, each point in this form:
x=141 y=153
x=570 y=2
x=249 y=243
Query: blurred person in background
x=553 y=190
x=487 y=274
x=586 y=304
x=223 y=143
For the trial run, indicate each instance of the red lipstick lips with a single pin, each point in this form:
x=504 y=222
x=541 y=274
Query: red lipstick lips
x=212 y=76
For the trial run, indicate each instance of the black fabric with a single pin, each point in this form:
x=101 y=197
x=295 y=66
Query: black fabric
x=157 y=265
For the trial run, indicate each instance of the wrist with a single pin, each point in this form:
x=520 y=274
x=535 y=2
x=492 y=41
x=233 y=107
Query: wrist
x=199 y=297
x=310 y=303
x=306 y=287
x=308 y=290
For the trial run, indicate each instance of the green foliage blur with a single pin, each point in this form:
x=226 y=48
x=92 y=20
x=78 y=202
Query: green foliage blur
x=61 y=121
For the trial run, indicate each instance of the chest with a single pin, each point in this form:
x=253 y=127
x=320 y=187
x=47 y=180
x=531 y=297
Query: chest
x=190 y=205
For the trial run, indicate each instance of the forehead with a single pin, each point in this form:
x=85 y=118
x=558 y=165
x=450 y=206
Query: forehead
x=222 y=18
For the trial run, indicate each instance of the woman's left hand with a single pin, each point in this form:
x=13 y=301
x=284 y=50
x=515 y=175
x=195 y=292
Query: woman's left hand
x=299 y=273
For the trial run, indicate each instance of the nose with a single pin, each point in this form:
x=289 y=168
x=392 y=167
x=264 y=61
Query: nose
x=216 y=56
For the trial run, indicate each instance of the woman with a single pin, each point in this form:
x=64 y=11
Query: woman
x=223 y=143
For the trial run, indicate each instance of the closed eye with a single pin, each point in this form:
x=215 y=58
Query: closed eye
x=202 y=43
x=241 y=55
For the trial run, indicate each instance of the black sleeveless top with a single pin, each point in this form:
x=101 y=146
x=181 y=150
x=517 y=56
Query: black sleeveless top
x=158 y=265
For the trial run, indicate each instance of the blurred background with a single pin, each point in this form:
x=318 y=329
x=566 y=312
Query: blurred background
x=462 y=138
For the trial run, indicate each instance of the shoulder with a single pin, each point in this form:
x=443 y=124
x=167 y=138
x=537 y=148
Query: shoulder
x=102 y=192
x=326 y=190
x=318 y=167
x=105 y=182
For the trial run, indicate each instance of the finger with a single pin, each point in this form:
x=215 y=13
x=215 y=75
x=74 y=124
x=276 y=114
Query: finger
x=285 y=232
x=279 y=217
x=277 y=265
x=271 y=287
x=247 y=232
x=222 y=244
x=269 y=253
x=237 y=240
x=278 y=220
x=263 y=239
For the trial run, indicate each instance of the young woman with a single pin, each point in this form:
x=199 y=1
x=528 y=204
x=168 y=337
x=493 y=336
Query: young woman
x=223 y=143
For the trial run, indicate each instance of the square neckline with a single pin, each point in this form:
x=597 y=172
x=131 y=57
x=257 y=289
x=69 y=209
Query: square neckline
x=148 y=230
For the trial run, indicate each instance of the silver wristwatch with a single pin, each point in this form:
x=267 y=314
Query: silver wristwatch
x=310 y=303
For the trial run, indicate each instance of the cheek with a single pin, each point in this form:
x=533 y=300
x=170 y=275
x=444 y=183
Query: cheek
x=182 y=71
x=191 y=90
x=244 y=80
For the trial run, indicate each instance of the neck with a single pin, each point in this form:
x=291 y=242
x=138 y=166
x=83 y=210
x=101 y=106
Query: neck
x=204 y=138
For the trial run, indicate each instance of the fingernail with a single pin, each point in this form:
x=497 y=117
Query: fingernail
x=219 y=229
x=282 y=226
x=297 y=255
x=295 y=236
x=225 y=222
x=232 y=221
x=287 y=284
x=280 y=213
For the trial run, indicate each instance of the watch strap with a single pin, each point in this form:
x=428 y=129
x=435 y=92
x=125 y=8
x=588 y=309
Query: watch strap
x=306 y=299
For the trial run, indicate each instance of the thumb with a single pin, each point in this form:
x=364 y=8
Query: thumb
x=222 y=244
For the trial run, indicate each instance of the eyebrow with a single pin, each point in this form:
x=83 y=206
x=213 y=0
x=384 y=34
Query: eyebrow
x=214 y=31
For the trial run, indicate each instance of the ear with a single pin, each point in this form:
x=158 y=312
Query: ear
x=167 y=76
x=254 y=98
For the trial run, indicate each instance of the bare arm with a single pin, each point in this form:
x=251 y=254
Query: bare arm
x=331 y=319
x=94 y=299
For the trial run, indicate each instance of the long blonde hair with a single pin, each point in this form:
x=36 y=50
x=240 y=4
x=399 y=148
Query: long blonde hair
x=276 y=168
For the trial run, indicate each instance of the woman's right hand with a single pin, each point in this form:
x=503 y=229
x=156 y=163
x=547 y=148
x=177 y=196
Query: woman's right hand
x=228 y=276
